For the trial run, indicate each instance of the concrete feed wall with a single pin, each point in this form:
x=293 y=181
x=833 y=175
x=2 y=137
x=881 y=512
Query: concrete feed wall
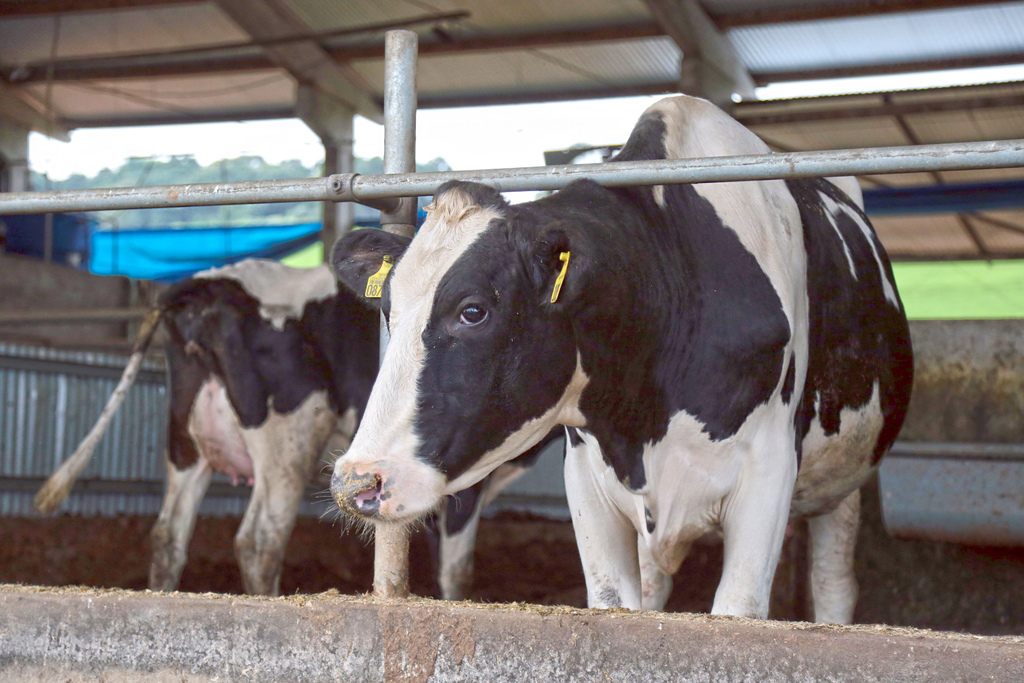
x=968 y=382
x=92 y=635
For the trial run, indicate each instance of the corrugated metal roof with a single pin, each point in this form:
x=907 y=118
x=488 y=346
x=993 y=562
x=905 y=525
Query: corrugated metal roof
x=25 y=39
x=904 y=37
x=484 y=14
x=649 y=60
x=191 y=96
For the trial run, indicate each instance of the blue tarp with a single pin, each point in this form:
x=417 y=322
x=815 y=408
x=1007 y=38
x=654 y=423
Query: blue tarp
x=172 y=254
x=901 y=201
x=26 y=235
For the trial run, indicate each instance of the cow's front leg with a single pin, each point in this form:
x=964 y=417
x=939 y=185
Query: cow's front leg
x=263 y=535
x=833 y=584
x=283 y=451
x=457 y=524
x=754 y=517
x=607 y=541
x=656 y=584
x=173 y=528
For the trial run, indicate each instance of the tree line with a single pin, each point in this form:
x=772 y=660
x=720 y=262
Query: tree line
x=175 y=170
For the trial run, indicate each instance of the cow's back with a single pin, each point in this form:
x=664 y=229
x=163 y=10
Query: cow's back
x=855 y=336
x=860 y=365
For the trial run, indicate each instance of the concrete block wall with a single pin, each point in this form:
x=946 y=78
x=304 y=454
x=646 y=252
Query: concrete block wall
x=28 y=284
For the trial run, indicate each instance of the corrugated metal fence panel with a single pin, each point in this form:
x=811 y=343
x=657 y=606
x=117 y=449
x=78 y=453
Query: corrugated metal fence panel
x=51 y=398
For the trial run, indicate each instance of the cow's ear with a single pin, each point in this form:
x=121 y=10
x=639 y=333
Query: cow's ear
x=362 y=261
x=555 y=266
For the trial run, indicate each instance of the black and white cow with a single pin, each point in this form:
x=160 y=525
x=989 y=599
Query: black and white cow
x=266 y=364
x=723 y=357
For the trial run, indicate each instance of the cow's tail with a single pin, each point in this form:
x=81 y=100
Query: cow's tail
x=58 y=486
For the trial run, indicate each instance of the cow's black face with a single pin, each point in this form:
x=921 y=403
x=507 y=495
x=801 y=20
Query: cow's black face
x=497 y=356
x=480 y=361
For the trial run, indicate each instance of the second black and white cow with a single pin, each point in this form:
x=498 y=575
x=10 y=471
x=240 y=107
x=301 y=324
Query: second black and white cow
x=266 y=365
x=723 y=357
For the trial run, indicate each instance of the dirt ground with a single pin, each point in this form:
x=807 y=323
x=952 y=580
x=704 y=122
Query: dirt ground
x=908 y=583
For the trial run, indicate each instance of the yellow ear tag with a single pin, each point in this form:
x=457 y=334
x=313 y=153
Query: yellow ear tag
x=564 y=258
x=375 y=283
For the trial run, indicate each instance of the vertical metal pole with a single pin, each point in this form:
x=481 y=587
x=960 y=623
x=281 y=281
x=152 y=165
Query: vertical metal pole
x=48 y=238
x=391 y=543
x=400 y=122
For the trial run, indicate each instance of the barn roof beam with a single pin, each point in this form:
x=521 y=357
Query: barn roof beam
x=834 y=10
x=167 y=118
x=305 y=60
x=1004 y=59
x=19 y=106
x=960 y=99
x=248 y=56
x=15 y=8
x=723 y=20
x=710 y=67
x=499 y=41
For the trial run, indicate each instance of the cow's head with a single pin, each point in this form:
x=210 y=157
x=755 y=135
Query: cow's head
x=481 y=364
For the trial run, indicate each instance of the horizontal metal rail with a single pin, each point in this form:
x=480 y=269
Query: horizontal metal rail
x=377 y=190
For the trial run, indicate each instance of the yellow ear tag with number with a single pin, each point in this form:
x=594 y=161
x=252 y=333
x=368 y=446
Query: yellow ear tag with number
x=375 y=283
x=564 y=258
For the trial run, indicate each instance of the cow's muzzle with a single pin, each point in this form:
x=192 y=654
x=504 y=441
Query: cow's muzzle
x=356 y=494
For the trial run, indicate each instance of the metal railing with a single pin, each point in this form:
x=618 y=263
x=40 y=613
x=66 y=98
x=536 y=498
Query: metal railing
x=380 y=191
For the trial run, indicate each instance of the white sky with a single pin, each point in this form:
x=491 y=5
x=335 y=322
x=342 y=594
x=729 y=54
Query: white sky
x=470 y=138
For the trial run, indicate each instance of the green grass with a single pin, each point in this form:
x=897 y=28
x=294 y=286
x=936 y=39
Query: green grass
x=310 y=257
x=959 y=290
x=951 y=290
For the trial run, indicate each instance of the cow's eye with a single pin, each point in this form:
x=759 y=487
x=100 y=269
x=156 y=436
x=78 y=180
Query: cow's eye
x=473 y=314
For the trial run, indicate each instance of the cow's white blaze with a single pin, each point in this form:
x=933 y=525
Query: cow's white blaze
x=386 y=443
x=282 y=291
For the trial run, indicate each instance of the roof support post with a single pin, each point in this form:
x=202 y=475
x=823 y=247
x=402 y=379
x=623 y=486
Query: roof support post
x=710 y=67
x=14 y=171
x=331 y=120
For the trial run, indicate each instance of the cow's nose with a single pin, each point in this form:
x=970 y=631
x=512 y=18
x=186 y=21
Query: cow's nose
x=357 y=494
